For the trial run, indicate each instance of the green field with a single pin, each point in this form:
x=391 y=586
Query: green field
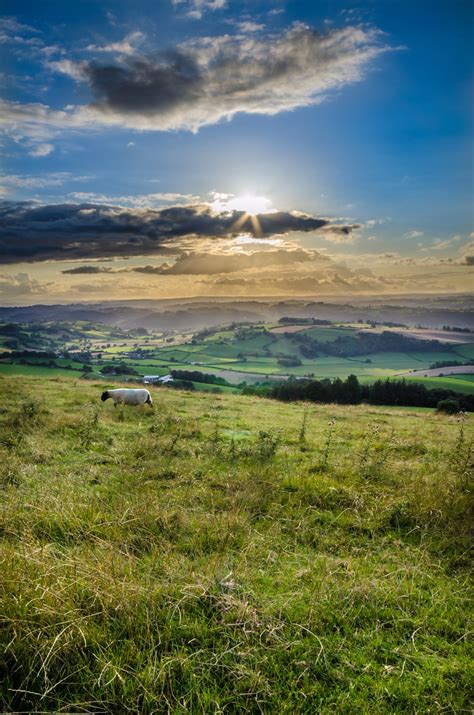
x=458 y=383
x=251 y=353
x=6 y=369
x=224 y=553
x=465 y=351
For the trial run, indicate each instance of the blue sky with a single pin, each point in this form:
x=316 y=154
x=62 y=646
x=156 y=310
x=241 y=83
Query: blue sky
x=361 y=114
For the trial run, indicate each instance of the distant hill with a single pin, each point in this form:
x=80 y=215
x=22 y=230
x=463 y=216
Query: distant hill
x=198 y=314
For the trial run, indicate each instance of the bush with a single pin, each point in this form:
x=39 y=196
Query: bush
x=449 y=406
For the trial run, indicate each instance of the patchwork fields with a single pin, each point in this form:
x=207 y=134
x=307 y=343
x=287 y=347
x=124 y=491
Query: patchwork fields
x=250 y=353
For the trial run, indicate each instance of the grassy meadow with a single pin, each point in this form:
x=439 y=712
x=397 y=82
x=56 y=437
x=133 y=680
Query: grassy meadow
x=222 y=553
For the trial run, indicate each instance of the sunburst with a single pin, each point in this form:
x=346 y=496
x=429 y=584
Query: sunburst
x=251 y=206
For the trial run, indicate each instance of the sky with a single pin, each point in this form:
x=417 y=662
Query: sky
x=247 y=148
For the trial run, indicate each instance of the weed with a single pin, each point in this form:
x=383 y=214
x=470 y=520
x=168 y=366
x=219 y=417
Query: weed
x=302 y=433
x=23 y=421
x=374 y=455
x=326 y=451
x=267 y=445
x=170 y=448
x=461 y=457
x=89 y=426
x=461 y=420
x=232 y=445
x=215 y=434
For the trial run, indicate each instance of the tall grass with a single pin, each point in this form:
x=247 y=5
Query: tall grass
x=169 y=561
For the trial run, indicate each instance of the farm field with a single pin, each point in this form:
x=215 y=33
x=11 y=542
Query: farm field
x=228 y=553
x=458 y=383
x=247 y=353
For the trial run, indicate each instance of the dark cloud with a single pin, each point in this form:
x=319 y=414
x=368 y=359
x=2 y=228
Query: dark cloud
x=145 y=87
x=89 y=270
x=69 y=231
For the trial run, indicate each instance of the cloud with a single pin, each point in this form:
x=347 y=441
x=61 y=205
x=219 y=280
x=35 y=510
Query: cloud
x=142 y=201
x=13 y=181
x=413 y=234
x=75 y=70
x=89 y=270
x=205 y=80
x=340 y=234
x=123 y=47
x=210 y=79
x=35 y=124
x=212 y=263
x=15 y=33
x=248 y=26
x=30 y=232
x=21 y=284
x=468 y=252
x=11 y=24
x=196 y=8
x=39 y=150
x=332 y=280
x=276 y=272
x=19 y=40
x=443 y=245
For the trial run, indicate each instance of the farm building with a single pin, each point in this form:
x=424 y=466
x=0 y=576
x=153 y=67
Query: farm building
x=154 y=379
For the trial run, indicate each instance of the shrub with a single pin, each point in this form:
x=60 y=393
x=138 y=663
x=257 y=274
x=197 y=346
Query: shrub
x=448 y=406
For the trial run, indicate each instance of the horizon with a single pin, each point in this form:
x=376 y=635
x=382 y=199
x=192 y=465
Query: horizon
x=147 y=153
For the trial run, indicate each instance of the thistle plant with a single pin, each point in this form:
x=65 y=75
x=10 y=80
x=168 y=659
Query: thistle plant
x=302 y=434
x=327 y=444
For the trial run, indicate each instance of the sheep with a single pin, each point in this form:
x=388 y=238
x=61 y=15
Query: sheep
x=128 y=397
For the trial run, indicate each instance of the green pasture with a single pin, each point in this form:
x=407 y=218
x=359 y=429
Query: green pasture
x=223 y=553
x=465 y=351
x=30 y=370
x=461 y=383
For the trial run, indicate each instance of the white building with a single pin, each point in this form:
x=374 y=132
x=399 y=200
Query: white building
x=157 y=379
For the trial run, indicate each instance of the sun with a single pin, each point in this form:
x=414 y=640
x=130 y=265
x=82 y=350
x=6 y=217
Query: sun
x=251 y=204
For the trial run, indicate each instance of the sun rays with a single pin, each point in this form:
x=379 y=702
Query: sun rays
x=251 y=206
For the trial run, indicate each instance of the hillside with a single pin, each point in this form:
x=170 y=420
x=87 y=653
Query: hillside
x=222 y=553
x=244 y=353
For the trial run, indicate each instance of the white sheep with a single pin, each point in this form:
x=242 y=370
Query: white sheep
x=124 y=396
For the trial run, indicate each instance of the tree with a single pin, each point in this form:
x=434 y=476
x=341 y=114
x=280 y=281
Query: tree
x=353 y=390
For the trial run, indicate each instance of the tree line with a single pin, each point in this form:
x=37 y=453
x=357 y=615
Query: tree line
x=352 y=392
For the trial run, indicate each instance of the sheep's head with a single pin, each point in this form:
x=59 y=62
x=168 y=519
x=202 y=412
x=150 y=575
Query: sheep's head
x=105 y=396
